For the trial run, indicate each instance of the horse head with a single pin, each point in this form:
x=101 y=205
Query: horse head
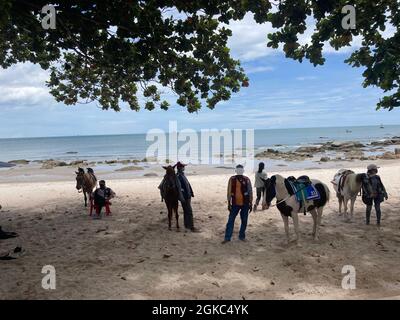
x=270 y=191
x=79 y=178
x=170 y=177
x=169 y=170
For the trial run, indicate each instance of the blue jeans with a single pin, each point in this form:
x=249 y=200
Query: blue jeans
x=244 y=214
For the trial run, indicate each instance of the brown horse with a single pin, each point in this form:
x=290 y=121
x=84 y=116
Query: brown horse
x=85 y=182
x=170 y=193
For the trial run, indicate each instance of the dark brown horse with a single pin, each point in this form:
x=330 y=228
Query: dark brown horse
x=85 y=182
x=169 y=192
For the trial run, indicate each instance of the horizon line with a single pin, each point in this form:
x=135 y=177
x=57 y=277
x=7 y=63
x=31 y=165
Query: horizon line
x=143 y=133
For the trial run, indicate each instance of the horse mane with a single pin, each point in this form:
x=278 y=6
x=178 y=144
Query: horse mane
x=360 y=177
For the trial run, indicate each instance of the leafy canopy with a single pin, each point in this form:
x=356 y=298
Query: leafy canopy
x=128 y=51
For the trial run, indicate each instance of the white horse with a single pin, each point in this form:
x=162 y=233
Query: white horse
x=288 y=205
x=347 y=185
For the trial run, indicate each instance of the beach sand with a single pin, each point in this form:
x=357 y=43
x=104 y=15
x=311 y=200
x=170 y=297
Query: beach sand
x=133 y=255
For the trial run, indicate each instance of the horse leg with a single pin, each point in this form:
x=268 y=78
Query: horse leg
x=340 y=198
x=177 y=217
x=295 y=218
x=286 y=224
x=85 y=197
x=345 y=201
x=315 y=217
x=318 y=224
x=353 y=200
x=169 y=216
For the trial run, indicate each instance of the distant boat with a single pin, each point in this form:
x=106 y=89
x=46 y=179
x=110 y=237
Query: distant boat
x=349 y=131
x=382 y=127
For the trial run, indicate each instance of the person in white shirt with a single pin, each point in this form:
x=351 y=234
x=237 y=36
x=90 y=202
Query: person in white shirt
x=259 y=183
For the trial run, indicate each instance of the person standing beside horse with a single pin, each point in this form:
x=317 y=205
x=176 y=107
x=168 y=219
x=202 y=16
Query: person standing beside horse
x=185 y=197
x=240 y=199
x=259 y=183
x=373 y=193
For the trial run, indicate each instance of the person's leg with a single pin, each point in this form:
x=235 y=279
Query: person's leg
x=187 y=214
x=368 y=213
x=259 y=193
x=377 y=202
x=108 y=210
x=98 y=211
x=231 y=222
x=244 y=214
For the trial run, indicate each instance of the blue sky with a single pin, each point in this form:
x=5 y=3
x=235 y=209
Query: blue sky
x=282 y=94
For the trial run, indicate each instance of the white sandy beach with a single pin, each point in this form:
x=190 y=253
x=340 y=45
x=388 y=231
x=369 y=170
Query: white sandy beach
x=132 y=255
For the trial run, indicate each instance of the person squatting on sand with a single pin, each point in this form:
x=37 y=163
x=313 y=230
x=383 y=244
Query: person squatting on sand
x=101 y=198
x=240 y=199
x=374 y=192
x=259 y=183
x=185 y=197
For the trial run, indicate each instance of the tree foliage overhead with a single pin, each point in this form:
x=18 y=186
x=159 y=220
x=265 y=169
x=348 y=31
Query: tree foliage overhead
x=127 y=51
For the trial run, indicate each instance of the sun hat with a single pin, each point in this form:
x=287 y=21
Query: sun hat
x=372 y=167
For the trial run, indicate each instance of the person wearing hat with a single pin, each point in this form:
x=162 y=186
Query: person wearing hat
x=101 y=198
x=185 y=197
x=240 y=199
x=373 y=193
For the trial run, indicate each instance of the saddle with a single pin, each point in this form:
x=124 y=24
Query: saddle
x=340 y=179
x=303 y=189
x=343 y=178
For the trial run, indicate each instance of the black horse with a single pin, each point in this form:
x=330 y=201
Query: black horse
x=170 y=193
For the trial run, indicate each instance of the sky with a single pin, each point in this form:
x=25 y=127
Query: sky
x=282 y=94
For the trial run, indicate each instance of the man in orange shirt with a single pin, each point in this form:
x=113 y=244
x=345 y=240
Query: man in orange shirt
x=240 y=199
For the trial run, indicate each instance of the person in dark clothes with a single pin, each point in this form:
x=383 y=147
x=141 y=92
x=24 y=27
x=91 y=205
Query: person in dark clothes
x=101 y=197
x=240 y=199
x=374 y=193
x=185 y=197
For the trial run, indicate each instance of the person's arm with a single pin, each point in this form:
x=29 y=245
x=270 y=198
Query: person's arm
x=191 y=190
x=264 y=175
x=383 y=189
x=180 y=193
x=229 y=196
x=250 y=190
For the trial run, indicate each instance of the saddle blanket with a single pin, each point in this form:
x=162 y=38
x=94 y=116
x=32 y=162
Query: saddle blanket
x=339 y=179
x=305 y=192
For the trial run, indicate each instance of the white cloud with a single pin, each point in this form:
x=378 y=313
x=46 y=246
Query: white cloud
x=306 y=78
x=257 y=69
x=249 y=39
x=24 y=85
